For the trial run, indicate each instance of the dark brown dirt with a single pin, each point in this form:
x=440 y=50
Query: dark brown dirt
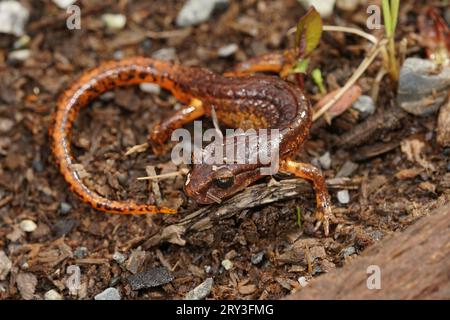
x=32 y=188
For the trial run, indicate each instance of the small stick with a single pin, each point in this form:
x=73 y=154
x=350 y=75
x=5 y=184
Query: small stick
x=351 y=30
x=139 y=148
x=180 y=172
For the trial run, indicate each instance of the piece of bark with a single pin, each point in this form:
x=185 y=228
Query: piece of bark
x=443 y=125
x=254 y=196
x=414 y=264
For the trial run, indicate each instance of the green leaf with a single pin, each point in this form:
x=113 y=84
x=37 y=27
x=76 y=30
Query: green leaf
x=309 y=32
x=317 y=77
x=301 y=66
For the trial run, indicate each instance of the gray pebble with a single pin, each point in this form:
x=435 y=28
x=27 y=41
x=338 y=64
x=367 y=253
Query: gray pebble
x=348 y=251
x=419 y=82
x=197 y=11
x=365 y=105
x=347 y=169
x=108 y=294
x=64 y=207
x=343 y=196
x=119 y=257
x=227 y=50
x=325 y=161
x=257 y=258
x=37 y=165
x=80 y=252
x=201 y=291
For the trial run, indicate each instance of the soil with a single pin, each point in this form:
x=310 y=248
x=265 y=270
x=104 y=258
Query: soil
x=268 y=247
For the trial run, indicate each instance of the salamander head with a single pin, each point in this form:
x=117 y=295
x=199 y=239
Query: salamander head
x=215 y=178
x=210 y=183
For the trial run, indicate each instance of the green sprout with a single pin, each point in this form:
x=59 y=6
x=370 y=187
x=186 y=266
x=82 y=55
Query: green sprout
x=390 y=16
x=316 y=74
x=299 y=217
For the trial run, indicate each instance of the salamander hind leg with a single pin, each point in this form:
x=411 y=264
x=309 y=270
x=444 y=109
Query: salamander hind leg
x=311 y=173
x=163 y=131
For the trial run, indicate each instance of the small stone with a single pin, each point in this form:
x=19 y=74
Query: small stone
x=325 y=161
x=136 y=260
x=201 y=291
x=27 y=225
x=423 y=86
x=52 y=295
x=64 y=207
x=302 y=281
x=152 y=88
x=257 y=258
x=26 y=283
x=80 y=252
x=227 y=50
x=19 y=55
x=119 y=257
x=324 y=7
x=347 y=169
x=5 y=265
x=64 y=4
x=151 y=278
x=197 y=11
x=6 y=125
x=13 y=17
x=376 y=235
x=343 y=196
x=108 y=294
x=347 y=251
x=37 y=165
x=166 y=54
x=365 y=105
x=114 y=21
x=227 y=264
x=64 y=226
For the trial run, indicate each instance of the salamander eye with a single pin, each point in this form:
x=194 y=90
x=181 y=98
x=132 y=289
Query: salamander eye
x=225 y=182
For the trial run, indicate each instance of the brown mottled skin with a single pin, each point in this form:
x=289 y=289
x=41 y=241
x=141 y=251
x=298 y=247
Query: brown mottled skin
x=239 y=101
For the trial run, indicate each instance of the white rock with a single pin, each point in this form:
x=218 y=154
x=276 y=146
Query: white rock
x=347 y=5
x=324 y=7
x=325 y=161
x=19 y=55
x=52 y=295
x=114 y=21
x=119 y=257
x=109 y=294
x=63 y=4
x=150 y=88
x=343 y=196
x=5 y=265
x=13 y=17
x=167 y=54
x=303 y=282
x=197 y=11
x=27 y=225
x=227 y=50
x=201 y=291
x=227 y=264
x=6 y=124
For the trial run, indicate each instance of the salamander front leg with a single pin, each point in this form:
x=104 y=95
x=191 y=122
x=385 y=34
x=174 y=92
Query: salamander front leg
x=162 y=132
x=311 y=173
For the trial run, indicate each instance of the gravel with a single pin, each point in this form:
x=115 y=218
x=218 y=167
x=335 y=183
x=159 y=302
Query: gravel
x=6 y=125
x=227 y=264
x=80 y=252
x=114 y=22
x=65 y=207
x=324 y=7
x=257 y=258
x=109 y=294
x=201 y=291
x=227 y=50
x=365 y=105
x=119 y=257
x=197 y=11
x=53 y=295
x=19 y=55
x=64 y=4
x=325 y=161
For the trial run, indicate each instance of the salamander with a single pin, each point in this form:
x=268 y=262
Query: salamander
x=239 y=101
